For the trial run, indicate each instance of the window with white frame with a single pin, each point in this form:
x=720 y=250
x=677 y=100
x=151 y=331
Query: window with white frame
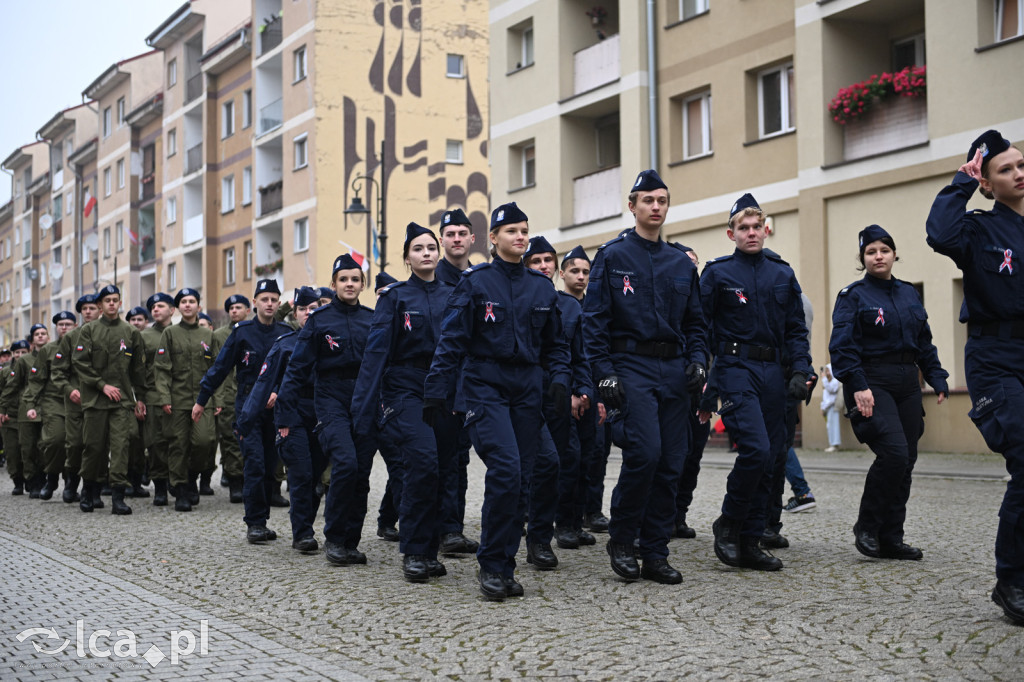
x=106 y=242
x=108 y=124
x=520 y=45
x=528 y=165
x=300 y=151
x=119 y=235
x=227 y=119
x=172 y=276
x=456 y=66
x=227 y=191
x=300 y=63
x=248 y=260
x=69 y=202
x=453 y=151
x=691 y=8
x=229 y=265
x=1009 y=19
x=120 y=112
x=776 y=101
x=246 y=109
x=908 y=52
x=69 y=146
x=301 y=234
x=172 y=72
x=120 y=173
x=172 y=210
x=106 y=182
x=246 y=185
x=172 y=142
x=58 y=207
x=697 y=125
x=42 y=278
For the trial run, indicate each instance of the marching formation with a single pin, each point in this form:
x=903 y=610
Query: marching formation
x=638 y=349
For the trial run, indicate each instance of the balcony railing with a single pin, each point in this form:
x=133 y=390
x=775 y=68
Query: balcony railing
x=194 y=159
x=193 y=229
x=596 y=65
x=271 y=116
x=597 y=195
x=270 y=36
x=271 y=198
x=193 y=87
x=891 y=124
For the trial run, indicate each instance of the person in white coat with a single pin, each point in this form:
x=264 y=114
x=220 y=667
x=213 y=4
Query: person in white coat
x=830 y=388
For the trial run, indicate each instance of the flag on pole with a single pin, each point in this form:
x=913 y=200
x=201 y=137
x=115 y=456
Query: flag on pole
x=132 y=237
x=375 y=248
x=90 y=204
x=357 y=256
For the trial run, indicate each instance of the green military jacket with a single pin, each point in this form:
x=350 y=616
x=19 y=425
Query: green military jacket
x=151 y=339
x=12 y=397
x=184 y=355
x=110 y=352
x=42 y=394
x=225 y=395
x=64 y=377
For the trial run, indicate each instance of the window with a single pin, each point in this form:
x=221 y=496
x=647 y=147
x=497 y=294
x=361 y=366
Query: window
x=300 y=63
x=69 y=147
x=119 y=235
x=107 y=125
x=229 y=266
x=106 y=242
x=776 y=101
x=697 y=125
x=1009 y=19
x=299 y=147
x=453 y=151
x=120 y=173
x=42 y=280
x=524 y=164
x=172 y=72
x=520 y=45
x=227 y=189
x=227 y=119
x=246 y=109
x=301 y=234
x=172 y=210
x=58 y=207
x=172 y=276
x=69 y=202
x=691 y=8
x=606 y=139
x=908 y=52
x=172 y=142
x=456 y=66
x=246 y=185
x=120 y=111
x=248 y=260
x=106 y=182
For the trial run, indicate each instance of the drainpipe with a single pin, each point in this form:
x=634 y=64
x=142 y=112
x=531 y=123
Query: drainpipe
x=652 y=85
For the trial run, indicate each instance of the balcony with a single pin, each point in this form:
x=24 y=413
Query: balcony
x=596 y=65
x=58 y=180
x=26 y=294
x=194 y=159
x=891 y=124
x=271 y=116
x=148 y=186
x=597 y=195
x=271 y=35
x=193 y=87
x=193 y=229
x=271 y=198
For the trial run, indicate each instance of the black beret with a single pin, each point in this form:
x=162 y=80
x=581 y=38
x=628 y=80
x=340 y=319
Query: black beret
x=577 y=252
x=20 y=344
x=412 y=230
x=159 y=297
x=745 y=201
x=108 y=290
x=33 y=328
x=345 y=262
x=187 y=291
x=82 y=300
x=325 y=292
x=454 y=217
x=871 y=233
x=538 y=245
x=506 y=214
x=306 y=296
x=137 y=310
x=204 y=316
x=267 y=286
x=233 y=299
x=648 y=181
x=64 y=315
x=382 y=280
x=990 y=142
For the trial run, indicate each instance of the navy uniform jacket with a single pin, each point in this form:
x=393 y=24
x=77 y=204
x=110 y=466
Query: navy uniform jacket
x=754 y=299
x=448 y=273
x=572 y=327
x=269 y=381
x=502 y=312
x=642 y=291
x=875 y=317
x=329 y=349
x=987 y=246
x=244 y=351
x=402 y=340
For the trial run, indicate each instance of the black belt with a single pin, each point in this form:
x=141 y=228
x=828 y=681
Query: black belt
x=415 y=363
x=1008 y=329
x=342 y=373
x=897 y=358
x=653 y=349
x=743 y=350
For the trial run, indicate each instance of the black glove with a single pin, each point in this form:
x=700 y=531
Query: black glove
x=798 y=386
x=559 y=397
x=433 y=408
x=696 y=377
x=810 y=389
x=610 y=390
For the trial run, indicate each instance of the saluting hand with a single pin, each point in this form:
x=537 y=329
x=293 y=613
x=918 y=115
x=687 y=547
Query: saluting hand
x=973 y=167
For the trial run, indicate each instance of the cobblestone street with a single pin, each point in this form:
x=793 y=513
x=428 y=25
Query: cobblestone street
x=273 y=613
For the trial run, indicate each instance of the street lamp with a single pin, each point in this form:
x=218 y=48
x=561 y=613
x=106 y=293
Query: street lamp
x=357 y=209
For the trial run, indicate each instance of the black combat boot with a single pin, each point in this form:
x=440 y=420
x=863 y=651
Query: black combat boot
x=727 y=540
x=160 y=495
x=51 y=485
x=70 y=489
x=97 y=491
x=193 y=487
x=117 y=503
x=138 y=488
x=277 y=499
x=204 y=483
x=85 y=504
x=19 y=486
x=235 y=486
x=182 y=498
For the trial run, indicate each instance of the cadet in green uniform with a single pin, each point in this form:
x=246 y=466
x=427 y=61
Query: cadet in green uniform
x=137 y=464
x=184 y=355
x=44 y=399
x=12 y=403
x=237 y=307
x=111 y=365
x=156 y=427
x=12 y=447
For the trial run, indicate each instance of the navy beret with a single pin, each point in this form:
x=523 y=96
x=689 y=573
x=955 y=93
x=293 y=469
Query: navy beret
x=325 y=292
x=745 y=201
x=382 y=280
x=159 y=297
x=577 y=252
x=64 y=315
x=108 y=290
x=412 y=230
x=233 y=299
x=33 y=328
x=20 y=344
x=990 y=142
x=872 y=233
x=538 y=245
x=187 y=291
x=506 y=214
x=344 y=262
x=454 y=217
x=267 y=286
x=306 y=296
x=137 y=310
x=204 y=316
x=82 y=300
x=648 y=181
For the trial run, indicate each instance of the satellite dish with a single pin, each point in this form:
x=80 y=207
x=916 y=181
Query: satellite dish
x=45 y=221
x=56 y=271
x=92 y=242
x=33 y=274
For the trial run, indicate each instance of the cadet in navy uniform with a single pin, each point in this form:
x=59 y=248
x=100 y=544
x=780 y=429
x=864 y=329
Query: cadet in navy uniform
x=752 y=302
x=387 y=513
x=297 y=446
x=401 y=344
x=645 y=339
x=244 y=351
x=330 y=349
x=880 y=336
x=987 y=247
x=457 y=239
x=502 y=323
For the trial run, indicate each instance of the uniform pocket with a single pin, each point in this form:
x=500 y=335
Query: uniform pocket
x=490 y=312
x=875 y=322
x=1000 y=260
x=988 y=414
x=866 y=429
x=100 y=359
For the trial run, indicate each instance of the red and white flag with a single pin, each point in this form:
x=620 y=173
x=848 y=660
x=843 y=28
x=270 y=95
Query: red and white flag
x=132 y=237
x=363 y=261
x=90 y=204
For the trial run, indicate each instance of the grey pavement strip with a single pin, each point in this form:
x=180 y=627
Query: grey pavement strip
x=43 y=588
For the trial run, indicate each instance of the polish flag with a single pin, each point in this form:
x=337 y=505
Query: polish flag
x=132 y=237
x=364 y=263
x=90 y=204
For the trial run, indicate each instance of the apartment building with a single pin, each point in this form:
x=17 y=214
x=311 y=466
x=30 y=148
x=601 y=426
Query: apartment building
x=6 y=274
x=728 y=96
